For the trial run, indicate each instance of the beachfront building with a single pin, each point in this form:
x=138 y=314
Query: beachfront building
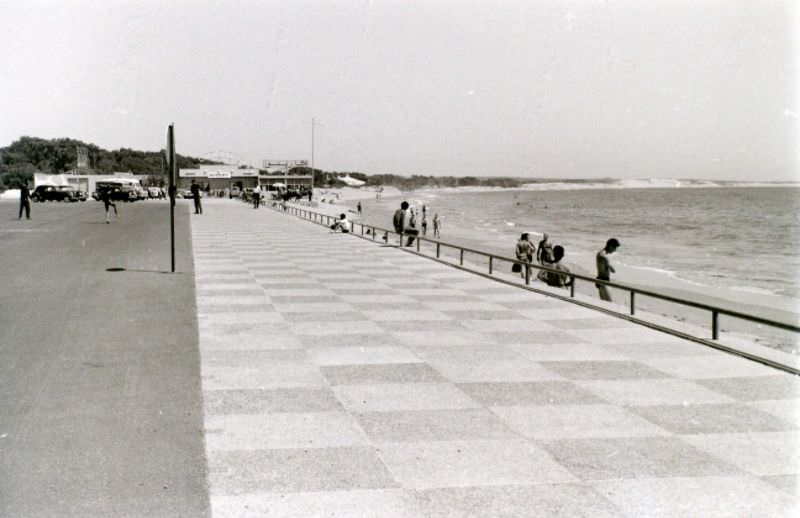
x=229 y=178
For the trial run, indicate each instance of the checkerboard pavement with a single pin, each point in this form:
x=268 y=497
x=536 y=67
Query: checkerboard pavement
x=343 y=377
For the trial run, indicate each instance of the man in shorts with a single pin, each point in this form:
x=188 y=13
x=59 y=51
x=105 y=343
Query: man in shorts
x=604 y=267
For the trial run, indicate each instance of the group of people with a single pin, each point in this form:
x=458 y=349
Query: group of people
x=550 y=256
x=405 y=222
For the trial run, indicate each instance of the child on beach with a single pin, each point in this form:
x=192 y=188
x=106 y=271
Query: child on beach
x=604 y=268
x=524 y=252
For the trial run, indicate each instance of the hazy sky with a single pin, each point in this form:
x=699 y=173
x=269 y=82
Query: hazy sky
x=539 y=88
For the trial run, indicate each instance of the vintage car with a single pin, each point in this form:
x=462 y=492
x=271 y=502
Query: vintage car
x=57 y=193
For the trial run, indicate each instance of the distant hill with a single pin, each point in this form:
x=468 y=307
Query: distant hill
x=30 y=155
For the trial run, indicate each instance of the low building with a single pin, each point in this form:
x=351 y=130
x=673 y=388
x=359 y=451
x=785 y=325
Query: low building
x=217 y=178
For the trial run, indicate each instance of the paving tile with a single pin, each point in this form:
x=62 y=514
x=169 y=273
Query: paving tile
x=593 y=322
x=712 y=418
x=226 y=402
x=551 y=500
x=433 y=425
x=212 y=300
x=576 y=421
x=789 y=484
x=516 y=370
x=470 y=463
x=271 y=375
x=717 y=496
x=439 y=339
x=232 y=318
x=479 y=314
x=653 y=392
x=392 y=397
x=365 y=340
x=421 y=315
x=635 y=457
x=204 y=309
x=529 y=394
x=330 y=298
x=251 y=341
x=311 y=307
x=464 y=305
x=437 y=327
x=335 y=328
x=786 y=409
x=604 y=370
x=282 y=430
x=634 y=334
x=781 y=386
x=764 y=453
x=662 y=349
x=505 y=326
x=547 y=352
x=296 y=470
x=379 y=300
x=551 y=309
x=537 y=336
x=717 y=365
x=250 y=358
x=380 y=373
x=322 y=318
x=375 y=503
x=361 y=355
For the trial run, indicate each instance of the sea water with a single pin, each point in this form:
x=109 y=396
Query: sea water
x=743 y=238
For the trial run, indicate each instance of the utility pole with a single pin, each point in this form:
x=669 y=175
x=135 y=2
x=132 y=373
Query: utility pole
x=313 y=132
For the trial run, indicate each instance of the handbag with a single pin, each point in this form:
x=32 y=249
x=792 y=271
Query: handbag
x=516 y=268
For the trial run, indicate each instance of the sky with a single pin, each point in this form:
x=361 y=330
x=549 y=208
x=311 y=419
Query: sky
x=530 y=88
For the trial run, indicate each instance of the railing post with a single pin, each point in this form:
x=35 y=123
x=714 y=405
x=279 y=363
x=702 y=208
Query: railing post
x=490 y=264
x=633 y=304
x=572 y=287
x=401 y=240
x=714 y=325
x=461 y=258
x=417 y=243
x=362 y=229
x=527 y=274
x=438 y=247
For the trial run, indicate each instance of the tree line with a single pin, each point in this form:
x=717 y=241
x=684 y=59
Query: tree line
x=29 y=155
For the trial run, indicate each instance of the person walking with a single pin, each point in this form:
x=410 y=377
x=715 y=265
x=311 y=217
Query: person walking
x=358 y=207
x=604 y=267
x=424 y=222
x=195 y=189
x=544 y=254
x=24 y=201
x=105 y=197
x=524 y=253
x=256 y=197
x=437 y=225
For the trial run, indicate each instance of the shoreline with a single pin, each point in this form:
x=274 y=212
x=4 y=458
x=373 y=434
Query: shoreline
x=378 y=212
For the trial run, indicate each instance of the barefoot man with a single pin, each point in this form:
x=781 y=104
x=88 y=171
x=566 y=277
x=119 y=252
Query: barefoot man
x=604 y=268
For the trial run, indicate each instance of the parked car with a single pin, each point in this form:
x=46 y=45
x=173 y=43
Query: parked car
x=155 y=192
x=57 y=193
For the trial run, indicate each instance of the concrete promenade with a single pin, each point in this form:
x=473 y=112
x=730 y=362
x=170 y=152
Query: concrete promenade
x=342 y=377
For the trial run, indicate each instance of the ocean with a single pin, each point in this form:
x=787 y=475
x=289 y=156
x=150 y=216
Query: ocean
x=738 y=243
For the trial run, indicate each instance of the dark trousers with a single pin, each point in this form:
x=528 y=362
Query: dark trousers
x=198 y=209
x=26 y=206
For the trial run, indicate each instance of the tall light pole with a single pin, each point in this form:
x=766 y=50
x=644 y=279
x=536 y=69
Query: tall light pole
x=313 y=131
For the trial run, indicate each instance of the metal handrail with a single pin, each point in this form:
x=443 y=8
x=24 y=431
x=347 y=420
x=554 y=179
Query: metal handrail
x=715 y=310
